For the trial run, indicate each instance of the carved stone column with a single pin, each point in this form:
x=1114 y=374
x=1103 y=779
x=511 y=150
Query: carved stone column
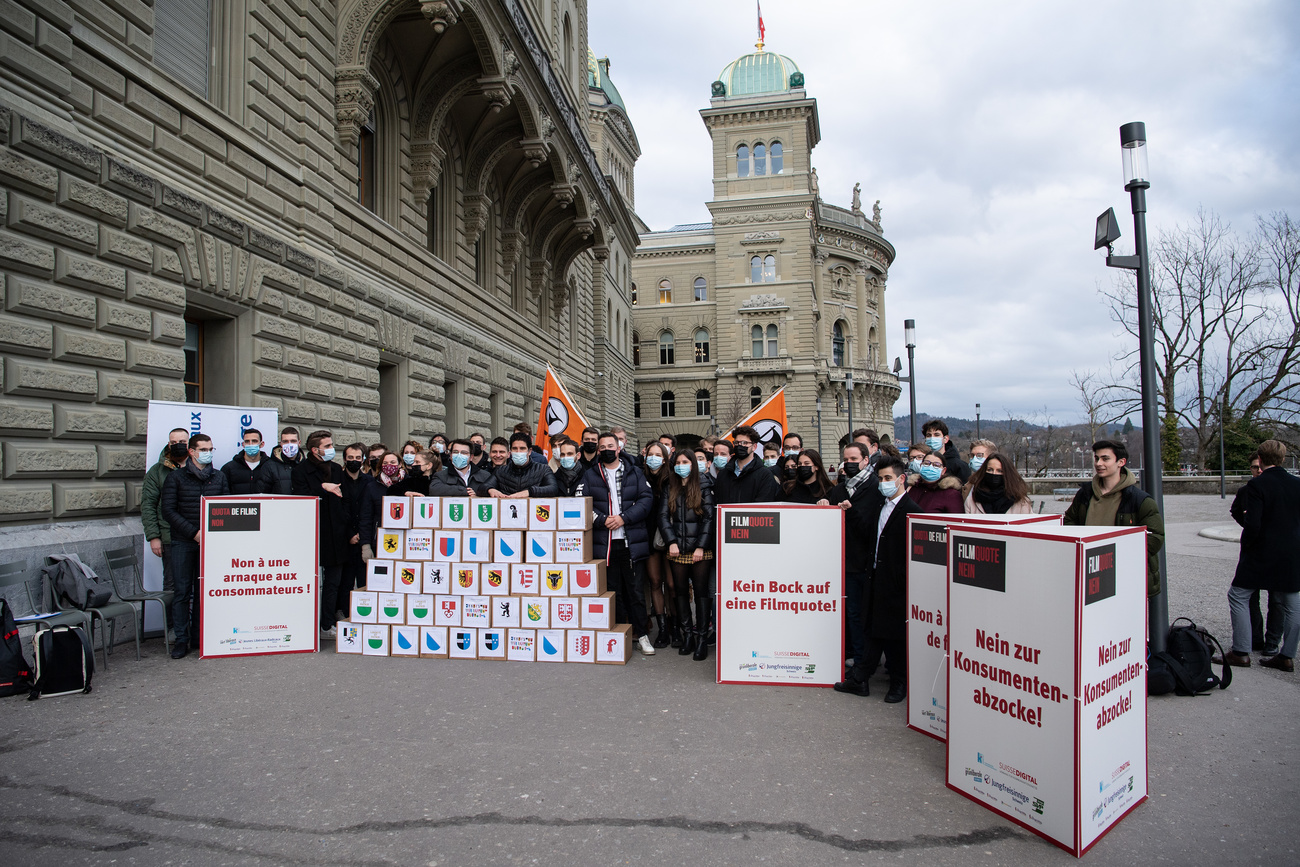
x=863 y=347
x=426 y=169
x=354 y=99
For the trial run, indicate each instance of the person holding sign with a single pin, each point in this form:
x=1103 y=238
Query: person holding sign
x=857 y=493
x=319 y=476
x=686 y=522
x=809 y=485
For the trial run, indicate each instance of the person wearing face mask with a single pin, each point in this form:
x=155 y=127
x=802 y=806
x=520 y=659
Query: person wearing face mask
x=419 y=475
x=791 y=445
x=883 y=527
x=278 y=476
x=245 y=470
x=410 y=449
x=319 y=476
x=721 y=457
x=391 y=475
x=980 y=451
x=856 y=492
x=915 y=455
x=354 y=486
x=180 y=506
x=374 y=455
x=554 y=461
x=809 y=484
x=871 y=453
x=703 y=463
x=621 y=433
x=522 y=476
x=935 y=432
x=587 y=451
x=745 y=479
x=478 y=455
x=569 y=474
x=657 y=473
x=997 y=489
x=930 y=486
x=459 y=477
x=686 y=523
x=156 y=531
x=772 y=460
x=438 y=445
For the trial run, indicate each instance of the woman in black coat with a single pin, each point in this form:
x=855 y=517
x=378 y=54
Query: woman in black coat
x=686 y=523
x=808 y=484
x=656 y=467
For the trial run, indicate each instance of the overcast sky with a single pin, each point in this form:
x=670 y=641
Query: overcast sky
x=990 y=133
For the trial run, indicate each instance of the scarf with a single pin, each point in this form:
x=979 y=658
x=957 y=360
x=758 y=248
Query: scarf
x=851 y=485
x=994 y=499
x=388 y=481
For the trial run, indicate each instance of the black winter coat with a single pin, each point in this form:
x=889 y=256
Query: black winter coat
x=867 y=498
x=635 y=503
x=568 y=480
x=755 y=484
x=537 y=479
x=279 y=473
x=308 y=477
x=1268 y=510
x=803 y=494
x=370 y=510
x=687 y=529
x=956 y=466
x=447 y=482
x=885 y=603
x=241 y=478
x=354 y=491
x=179 y=503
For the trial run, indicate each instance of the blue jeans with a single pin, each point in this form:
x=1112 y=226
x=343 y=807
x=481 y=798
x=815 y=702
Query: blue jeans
x=1239 y=608
x=854 y=584
x=185 y=606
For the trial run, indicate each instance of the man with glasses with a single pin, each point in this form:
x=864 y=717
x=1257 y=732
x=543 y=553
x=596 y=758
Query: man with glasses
x=459 y=477
x=744 y=479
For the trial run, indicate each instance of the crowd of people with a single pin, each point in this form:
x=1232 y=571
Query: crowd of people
x=653 y=513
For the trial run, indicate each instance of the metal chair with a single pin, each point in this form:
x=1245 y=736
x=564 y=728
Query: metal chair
x=107 y=614
x=13 y=574
x=130 y=587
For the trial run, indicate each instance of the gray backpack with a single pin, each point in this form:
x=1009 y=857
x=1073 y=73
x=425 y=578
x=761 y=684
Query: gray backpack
x=74 y=583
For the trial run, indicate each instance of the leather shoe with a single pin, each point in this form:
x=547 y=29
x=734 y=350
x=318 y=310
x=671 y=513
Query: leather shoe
x=1280 y=662
x=1241 y=660
x=897 y=692
x=856 y=687
x=180 y=651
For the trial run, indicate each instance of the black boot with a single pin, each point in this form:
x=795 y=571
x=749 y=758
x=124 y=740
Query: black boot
x=685 y=640
x=661 y=637
x=704 y=619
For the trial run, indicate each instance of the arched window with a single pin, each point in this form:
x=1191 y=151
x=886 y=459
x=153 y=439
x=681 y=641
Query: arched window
x=636 y=349
x=665 y=292
x=742 y=161
x=666 y=348
x=701 y=346
x=701 y=289
x=756 y=337
x=702 y=403
x=777 y=154
x=769 y=269
x=760 y=159
x=755 y=397
x=837 y=344
x=633 y=294
x=771 y=342
x=367 y=172
x=568 y=46
x=756 y=269
x=667 y=405
x=636 y=404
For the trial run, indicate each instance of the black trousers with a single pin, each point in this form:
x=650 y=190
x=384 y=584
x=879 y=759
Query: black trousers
x=895 y=653
x=1266 y=635
x=354 y=576
x=686 y=577
x=625 y=580
x=329 y=595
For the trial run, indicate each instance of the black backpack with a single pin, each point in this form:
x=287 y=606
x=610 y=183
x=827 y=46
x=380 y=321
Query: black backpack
x=15 y=673
x=65 y=662
x=1185 y=666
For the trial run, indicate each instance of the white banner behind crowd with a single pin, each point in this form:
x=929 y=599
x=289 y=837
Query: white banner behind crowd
x=226 y=426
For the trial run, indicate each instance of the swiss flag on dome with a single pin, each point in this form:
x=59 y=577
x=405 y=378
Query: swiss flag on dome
x=762 y=31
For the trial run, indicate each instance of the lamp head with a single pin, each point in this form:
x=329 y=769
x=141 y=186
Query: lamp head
x=1133 y=148
x=909 y=332
x=898 y=365
x=1107 y=230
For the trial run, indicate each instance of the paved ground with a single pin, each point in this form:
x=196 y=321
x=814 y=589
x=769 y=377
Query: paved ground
x=325 y=759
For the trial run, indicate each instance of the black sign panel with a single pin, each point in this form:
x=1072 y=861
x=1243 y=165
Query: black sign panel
x=754 y=528
x=929 y=544
x=1099 y=574
x=234 y=517
x=980 y=563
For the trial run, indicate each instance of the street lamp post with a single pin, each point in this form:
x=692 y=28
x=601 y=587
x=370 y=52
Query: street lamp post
x=977 y=421
x=1133 y=149
x=1223 y=467
x=848 y=386
x=819 y=425
x=909 y=332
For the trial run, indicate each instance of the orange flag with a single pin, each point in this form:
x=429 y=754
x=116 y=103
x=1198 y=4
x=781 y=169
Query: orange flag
x=768 y=419
x=559 y=414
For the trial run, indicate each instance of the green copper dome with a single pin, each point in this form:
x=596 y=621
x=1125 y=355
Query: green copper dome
x=598 y=79
x=760 y=72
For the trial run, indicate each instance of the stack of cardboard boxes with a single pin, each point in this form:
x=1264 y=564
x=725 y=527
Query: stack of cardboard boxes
x=482 y=578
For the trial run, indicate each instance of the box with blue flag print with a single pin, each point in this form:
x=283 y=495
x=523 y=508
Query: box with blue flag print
x=433 y=642
x=446 y=545
x=574 y=513
x=492 y=643
x=476 y=546
x=539 y=547
x=405 y=641
x=464 y=642
x=550 y=645
x=508 y=546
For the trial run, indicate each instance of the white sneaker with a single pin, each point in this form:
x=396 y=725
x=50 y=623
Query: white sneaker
x=643 y=644
x=330 y=634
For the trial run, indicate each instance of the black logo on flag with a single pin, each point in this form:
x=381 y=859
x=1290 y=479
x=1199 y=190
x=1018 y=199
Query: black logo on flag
x=980 y=563
x=1099 y=574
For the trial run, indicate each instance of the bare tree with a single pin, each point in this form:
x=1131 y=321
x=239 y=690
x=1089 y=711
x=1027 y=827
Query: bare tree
x=1101 y=404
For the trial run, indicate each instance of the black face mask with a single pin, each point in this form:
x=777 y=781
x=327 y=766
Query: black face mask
x=608 y=456
x=588 y=448
x=476 y=449
x=850 y=468
x=178 y=452
x=993 y=483
x=790 y=471
x=741 y=451
x=805 y=473
x=353 y=466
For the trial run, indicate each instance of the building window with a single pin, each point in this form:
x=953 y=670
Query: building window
x=667 y=405
x=702 y=403
x=633 y=294
x=636 y=404
x=701 y=289
x=742 y=161
x=366 y=170
x=762 y=269
x=778 y=157
x=760 y=159
x=701 y=346
x=636 y=349
x=755 y=397
x=666 y=348
x=193 y=350
x=665 y=292
x=769 y=269
x=837 y=344
x=756 y=337
x=568 y=46
x=771 y=342
x=182 y=41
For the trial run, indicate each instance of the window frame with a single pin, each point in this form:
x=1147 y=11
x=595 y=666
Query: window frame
x=838 y=344
x=701 y=347
x=760 y=159
x=667 y=404
x=701 y=287
x=755 y=397
x=665 y=291
x=773 y=341
x=756 y=341
x=776 y=157
x=742 y=161
x=703 y=402
x=667 y=349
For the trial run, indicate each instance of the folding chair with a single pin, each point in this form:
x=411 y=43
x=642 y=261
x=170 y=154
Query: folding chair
x=130 y=586
x=13 y=574
x=107 y=614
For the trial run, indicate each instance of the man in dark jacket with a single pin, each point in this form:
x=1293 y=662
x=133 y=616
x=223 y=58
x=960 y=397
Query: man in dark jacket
x=590 y=444
x=353 y=487
x=884 y=612
x=936 y=436
x=278 y=477
x=318 y=476
x=621 y=503
x=459 y=477
x=245 y=470
x=156 y=531
x=1268 y=510
x=745 y=479
x=857 y=493
x=521 y=476
x=181 y=509
x=570 y=471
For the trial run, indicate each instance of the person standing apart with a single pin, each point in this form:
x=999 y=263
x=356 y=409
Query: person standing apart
x=156 y=530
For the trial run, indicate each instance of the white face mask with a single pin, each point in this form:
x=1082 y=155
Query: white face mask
x=289 y=450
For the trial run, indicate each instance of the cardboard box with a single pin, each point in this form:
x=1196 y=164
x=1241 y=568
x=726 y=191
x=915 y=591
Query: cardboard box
x=525 y=579
x=446 y=545
x=365 y=606
x=379 y=575
x=581 y=646
x=587 y=579
x=512 y=515
x=419 y=544
x=349 y=640
x=494 y=579
x=521 y=645
x=508 y=546
x=483 y=515
x=615 y=646
x=505 y=610
x=534 y=612
x=396 y=514
x=464 y=579
x=572 y=546
x=574 y=513
x=492 y=643
x=426 y=512
x=392 y=608
x=419 y=610
x=433 y=642
x=597 y=611
x=539 y=547
x=405 y=641
x=476 y=546
x=374 y=640
x=550 y=645
x=446 y=610
x=455 y=513
x=408 y=576
x=476 y=611
x=541 y=513
x=555 y=579
x=392 y=543
x=464 y=643
x=437 y=577
x=566 y=613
